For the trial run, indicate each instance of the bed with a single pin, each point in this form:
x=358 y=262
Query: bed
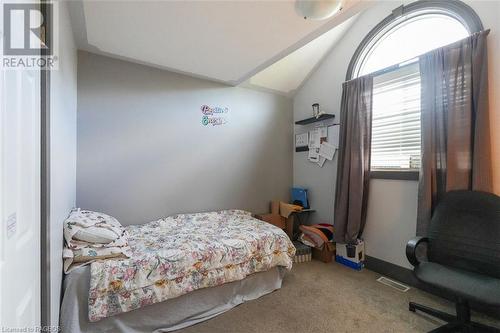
x=184 y=269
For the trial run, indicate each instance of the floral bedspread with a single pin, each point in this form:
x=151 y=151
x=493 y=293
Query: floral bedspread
x=178 y=254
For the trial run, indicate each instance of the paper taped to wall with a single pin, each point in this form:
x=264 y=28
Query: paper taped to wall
x=327 y=151
x=314 y=139
x=333 y=135
x=323 y=132
x=321 y=161
x=302 y=140
x=313 y=155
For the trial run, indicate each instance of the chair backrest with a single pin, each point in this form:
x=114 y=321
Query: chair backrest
x=465 y=232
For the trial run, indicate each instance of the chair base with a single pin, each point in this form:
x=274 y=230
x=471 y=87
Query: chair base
x=458 y=323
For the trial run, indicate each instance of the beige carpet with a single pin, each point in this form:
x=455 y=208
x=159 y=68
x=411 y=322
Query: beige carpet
x=318 y=297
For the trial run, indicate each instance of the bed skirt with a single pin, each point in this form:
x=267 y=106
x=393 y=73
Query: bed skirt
x=170 y=315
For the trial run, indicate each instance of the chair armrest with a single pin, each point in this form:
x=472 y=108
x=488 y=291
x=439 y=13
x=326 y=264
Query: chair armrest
x=411 y=249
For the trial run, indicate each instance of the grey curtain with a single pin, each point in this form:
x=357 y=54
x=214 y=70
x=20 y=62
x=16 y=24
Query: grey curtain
x=353 y=171
x=456 y=151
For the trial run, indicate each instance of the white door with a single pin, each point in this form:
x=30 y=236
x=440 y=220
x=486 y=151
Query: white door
x=19 y=198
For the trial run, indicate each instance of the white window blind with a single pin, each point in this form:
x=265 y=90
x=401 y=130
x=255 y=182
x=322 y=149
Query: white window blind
x=396 y=120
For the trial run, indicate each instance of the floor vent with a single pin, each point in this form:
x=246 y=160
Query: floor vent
x=393 y=284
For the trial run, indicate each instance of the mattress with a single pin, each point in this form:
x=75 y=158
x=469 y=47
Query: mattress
x=170 y=315
x=182 y=253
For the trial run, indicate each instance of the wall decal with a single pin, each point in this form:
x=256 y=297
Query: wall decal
x=214 y=115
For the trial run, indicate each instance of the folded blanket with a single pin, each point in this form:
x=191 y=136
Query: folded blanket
x=316 y=235
x=91 y=236
x=287 y=209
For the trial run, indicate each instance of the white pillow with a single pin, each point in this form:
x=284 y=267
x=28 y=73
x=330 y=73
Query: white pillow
x=96 y=235
x=87 y=218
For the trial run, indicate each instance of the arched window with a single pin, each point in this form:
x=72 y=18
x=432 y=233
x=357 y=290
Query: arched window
x=412 y=30
x=390 y=53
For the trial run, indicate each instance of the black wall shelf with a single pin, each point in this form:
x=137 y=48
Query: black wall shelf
x=314 y=119
x=299 y=149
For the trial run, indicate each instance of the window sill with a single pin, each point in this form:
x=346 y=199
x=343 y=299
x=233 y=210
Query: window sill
x=411 y=175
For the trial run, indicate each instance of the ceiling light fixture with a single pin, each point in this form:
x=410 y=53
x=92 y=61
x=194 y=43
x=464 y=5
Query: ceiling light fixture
x=317 y=9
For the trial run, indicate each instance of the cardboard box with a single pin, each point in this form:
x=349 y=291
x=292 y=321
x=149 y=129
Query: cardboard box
x=276 y=219
x=325 y=254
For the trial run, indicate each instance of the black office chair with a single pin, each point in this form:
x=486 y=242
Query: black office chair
x=463 y=256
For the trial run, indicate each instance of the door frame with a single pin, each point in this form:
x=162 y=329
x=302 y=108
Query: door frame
x=45 y=289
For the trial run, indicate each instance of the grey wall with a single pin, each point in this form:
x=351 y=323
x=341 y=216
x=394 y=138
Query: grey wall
x=319 y=181
x=144 y=154
x=391 y=219
x=63 y=151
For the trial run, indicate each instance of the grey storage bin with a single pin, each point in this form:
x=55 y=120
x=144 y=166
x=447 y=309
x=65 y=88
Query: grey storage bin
x=303 y=252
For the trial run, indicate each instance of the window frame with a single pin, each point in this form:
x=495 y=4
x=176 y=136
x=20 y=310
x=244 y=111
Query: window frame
x=455 y=9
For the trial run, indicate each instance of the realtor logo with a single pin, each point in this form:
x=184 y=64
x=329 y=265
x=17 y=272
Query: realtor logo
x=28 y=39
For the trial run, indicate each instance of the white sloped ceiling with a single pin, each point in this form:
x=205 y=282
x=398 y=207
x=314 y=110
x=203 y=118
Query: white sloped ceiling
x=223 y=41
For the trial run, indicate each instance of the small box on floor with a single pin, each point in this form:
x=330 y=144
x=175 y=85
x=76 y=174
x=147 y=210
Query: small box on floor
x=302 y=253
x=351 y=255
